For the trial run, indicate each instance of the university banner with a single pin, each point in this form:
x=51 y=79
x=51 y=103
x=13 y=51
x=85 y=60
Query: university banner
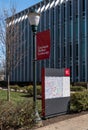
x=43 y=45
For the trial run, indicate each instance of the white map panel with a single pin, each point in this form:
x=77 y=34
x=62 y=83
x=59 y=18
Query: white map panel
x=66 y=86
x=56 y=87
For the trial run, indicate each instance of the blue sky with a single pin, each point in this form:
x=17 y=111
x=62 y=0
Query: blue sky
x=19 y=4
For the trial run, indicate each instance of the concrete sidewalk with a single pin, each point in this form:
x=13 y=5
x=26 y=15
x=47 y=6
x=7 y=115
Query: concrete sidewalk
x=76 y=123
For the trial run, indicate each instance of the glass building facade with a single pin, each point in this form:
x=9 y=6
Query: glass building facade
x=68 y=24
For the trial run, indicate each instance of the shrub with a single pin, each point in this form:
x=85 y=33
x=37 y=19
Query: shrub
x=84 y=84
x=79 y=101
x=29 y=90
x=39 y=90
x=15 y=88
x=3 y=84
x=77 y=88
x=23 y=89
x=16 y=116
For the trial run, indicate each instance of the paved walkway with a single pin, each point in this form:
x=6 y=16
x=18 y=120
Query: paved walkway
x=76 y=123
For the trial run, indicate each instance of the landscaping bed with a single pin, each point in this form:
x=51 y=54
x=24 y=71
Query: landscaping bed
x=19 y=114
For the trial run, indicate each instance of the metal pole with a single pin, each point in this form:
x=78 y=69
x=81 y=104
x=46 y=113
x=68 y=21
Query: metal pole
x=37 y=118
x=34 y=68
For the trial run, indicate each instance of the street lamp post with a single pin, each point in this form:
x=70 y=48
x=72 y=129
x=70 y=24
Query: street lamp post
x=34 y=18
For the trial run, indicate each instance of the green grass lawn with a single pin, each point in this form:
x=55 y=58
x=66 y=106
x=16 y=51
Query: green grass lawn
x=17 y=97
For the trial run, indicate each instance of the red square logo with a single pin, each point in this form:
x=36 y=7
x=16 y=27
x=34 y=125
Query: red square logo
x=67 y=72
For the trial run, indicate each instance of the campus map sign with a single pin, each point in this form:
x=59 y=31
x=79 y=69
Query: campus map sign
x=55 y=91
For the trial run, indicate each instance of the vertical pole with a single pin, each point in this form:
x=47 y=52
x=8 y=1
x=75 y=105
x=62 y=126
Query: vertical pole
x=34 y=69
x=37 y=118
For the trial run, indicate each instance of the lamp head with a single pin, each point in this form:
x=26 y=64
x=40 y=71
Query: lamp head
x=34 y=17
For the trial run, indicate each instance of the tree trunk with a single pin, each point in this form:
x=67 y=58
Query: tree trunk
x=8 y=89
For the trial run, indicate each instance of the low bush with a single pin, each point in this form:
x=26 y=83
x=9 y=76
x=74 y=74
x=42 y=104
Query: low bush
x=15 y=88
x=79 y=101
x=77 y=88
x=16 y=116
x=29 y=90
x=84 y=84
x=3 y=84
x=39 y=90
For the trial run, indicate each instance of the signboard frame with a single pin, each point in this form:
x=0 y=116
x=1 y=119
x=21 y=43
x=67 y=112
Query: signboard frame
x=54 y=105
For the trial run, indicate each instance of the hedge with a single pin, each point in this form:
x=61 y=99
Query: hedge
x=16 y=115
x=29 y=90
x=79 y=101
x=77 y=88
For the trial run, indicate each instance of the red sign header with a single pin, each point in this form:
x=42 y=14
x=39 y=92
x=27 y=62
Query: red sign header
x=43 y=45
x=67 y=72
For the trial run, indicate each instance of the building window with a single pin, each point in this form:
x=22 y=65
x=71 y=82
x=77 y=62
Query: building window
x=70 y=10
x=76 y=51
x=83 y=49
x=71 y=71
x=64 y=12
x=83 y=72
x=64 y=51
x=47 y=19
x=83 y=5
x=83 y=26
x=42 y=20
x=58 y=14
x=76 y=29
x=64 y=30
x=77 y=70
x=70 y=50
x=76 y=8
x=70 y=31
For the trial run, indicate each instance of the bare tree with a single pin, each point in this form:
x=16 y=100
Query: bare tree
x=9 y=41
x=6 y=43
x=2 y=44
